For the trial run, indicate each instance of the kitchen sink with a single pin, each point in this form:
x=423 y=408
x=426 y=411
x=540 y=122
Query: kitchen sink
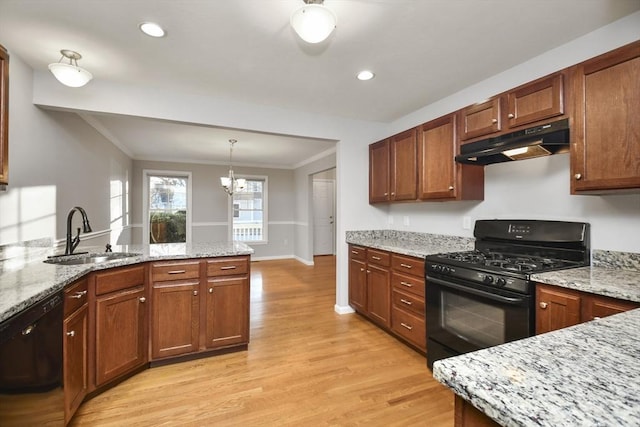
x=89 y=258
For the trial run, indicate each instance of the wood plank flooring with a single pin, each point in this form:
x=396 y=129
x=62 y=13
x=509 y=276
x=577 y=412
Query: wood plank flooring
x=306 y=366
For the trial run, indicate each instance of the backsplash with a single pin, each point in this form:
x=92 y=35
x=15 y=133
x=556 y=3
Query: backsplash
x=612 y=259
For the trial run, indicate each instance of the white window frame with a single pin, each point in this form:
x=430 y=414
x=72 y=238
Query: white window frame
x=265 y=210
x=146 y=173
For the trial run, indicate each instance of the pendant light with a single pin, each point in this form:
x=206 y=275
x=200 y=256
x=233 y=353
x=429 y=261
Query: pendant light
x=229 y=183
x=70 y=74
x=313 y=22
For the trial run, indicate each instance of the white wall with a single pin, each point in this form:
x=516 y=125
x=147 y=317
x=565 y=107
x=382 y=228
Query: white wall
x=56 y=162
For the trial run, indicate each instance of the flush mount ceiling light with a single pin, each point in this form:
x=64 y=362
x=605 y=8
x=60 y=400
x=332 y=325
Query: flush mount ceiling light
x=229 y=183
x=152 y=29
x=365 y=75
x=313 y=22
x=70 y=74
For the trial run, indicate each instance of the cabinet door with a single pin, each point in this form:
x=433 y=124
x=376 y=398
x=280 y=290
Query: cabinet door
x=175 y=318
x=121 y=334
x=480 y=119
x=358 y=285
x=379 y=177
x=437 y=149
x=75 y=372
x=227 y=312
x=606 y=149
x=536 y=101
x=596 y=306
x=379 y=294
x=556 y=308
x=404 y=166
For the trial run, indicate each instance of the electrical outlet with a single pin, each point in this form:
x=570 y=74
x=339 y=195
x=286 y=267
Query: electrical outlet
x=390 y=220
x=466 y=222
x=405 y=221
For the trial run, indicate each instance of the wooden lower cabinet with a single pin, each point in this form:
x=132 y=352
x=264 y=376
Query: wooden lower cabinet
x=121 y=333
x=75 y=336
x=226 y=312
x=466 y=415
x=389 y=290
x=559 y=308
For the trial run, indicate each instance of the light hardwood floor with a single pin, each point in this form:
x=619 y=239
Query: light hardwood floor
x=306 y=366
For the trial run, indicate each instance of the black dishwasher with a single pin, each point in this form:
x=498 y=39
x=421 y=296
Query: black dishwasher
x=31 y=366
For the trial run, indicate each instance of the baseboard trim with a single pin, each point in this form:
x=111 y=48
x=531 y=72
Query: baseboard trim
x=343 y=309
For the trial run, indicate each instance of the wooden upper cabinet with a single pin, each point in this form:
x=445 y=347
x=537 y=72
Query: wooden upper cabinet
x=4 y=116
x=605 y=153
x=539 y=100
x=481 y=119
x=379 y=165
x=440 y=177
x=404 y=165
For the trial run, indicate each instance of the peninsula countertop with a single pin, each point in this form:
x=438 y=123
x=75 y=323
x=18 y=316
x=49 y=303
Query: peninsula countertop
x=585 y=375
x=25 y=279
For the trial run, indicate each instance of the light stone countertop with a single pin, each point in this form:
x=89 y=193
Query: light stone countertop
x=585 y=375
x=25 y=279
x=417 y=245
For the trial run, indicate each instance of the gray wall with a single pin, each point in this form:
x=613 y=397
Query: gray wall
x=210 y=204
x=57 y=161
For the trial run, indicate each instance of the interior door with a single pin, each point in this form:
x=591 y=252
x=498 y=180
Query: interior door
x=323 y=216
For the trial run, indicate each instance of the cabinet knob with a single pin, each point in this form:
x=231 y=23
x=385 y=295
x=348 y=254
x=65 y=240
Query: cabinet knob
x=71 y=333
x=368 y=271
x=494 y=121
x=596 y=318
x=142 y=299
x=511 y=115
x=393 y=194
x=210 y=290
x=386 y=194
x=578 y=176
x=543 y=305
x=361 y=269
x=451 y=187
x=195 y=293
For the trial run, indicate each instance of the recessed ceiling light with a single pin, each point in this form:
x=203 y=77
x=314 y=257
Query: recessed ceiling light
x=365 y=75
x=152 y=29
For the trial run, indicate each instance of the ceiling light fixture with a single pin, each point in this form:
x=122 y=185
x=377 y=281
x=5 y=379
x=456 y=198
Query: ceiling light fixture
x=70 y=74
x=229 y=183
x=313 y=22
x=152 y=29
x=365 y=75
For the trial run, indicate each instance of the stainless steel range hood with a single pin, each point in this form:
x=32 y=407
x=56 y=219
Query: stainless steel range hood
x=543 y=140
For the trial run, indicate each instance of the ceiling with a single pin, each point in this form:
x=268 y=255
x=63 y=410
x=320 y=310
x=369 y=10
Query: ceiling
x=420 y=50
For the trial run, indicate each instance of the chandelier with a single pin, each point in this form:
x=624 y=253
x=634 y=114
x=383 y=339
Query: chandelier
x=229 y=183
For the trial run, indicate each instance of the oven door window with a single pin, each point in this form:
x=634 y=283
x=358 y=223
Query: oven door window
x=478 y=322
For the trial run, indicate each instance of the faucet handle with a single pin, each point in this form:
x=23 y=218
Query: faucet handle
x=108 y=248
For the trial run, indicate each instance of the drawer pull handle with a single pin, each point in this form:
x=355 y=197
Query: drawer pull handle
x=230 y=267
x=377 y=258
x=409 y=327
x=408 y=285
x=78 y=295
x=406 y=266
x=355 y=252
x=543 y=305
x=71 y=333
x=404 y=301
x=176 y=272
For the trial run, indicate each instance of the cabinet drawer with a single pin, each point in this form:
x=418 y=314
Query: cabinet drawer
x=408 y=302
x=162 y=271
x=119 y=279
x=408 y=265
x=75 y=296
x=410 y=327
x=227 y=266
x=410 y=284
x=357 y=252
x=378 y=257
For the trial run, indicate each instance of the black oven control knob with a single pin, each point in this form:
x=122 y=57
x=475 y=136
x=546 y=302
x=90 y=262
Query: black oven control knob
x=501 y=281
x=488 y=279
x=446 y=270
x=438 y=268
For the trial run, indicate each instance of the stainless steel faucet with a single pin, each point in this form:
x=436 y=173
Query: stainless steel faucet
x=72 y=243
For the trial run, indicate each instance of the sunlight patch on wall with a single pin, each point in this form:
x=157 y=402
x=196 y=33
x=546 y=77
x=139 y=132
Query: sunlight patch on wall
x=28 y=213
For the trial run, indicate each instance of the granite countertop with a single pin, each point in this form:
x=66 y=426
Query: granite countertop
x=409 y=243
x=585 y=375
x=25 y=279
x=611 y=282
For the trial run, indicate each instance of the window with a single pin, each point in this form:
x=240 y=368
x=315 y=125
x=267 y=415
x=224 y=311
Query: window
x=248 y=212
x=167 y=207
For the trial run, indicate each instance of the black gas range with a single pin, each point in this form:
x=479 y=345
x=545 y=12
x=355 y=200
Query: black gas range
x=485 y=297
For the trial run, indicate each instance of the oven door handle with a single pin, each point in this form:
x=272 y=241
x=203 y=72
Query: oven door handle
x=488 y=295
